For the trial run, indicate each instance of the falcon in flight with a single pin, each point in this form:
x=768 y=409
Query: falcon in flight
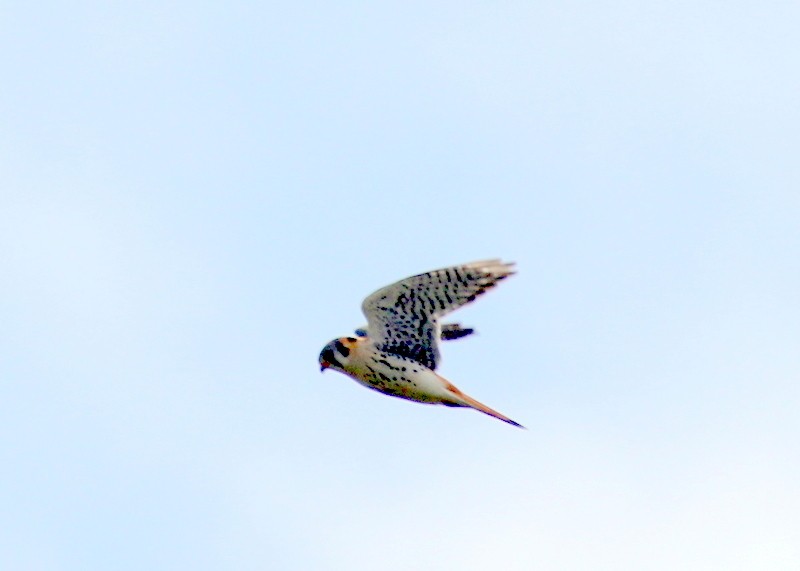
x=398 y=351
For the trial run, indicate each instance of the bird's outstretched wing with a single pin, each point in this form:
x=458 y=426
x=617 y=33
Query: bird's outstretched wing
x=403 y=318
x=450 y=331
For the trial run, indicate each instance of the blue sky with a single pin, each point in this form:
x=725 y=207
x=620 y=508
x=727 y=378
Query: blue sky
x=195 y=198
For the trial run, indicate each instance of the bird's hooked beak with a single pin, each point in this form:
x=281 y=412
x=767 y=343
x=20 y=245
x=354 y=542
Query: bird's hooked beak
x=323 y=365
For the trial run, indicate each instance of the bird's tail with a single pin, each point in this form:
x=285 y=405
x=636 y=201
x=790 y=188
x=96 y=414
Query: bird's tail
x=463 y=399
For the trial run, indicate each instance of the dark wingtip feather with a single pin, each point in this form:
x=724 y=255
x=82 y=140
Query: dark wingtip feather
x=455 y=331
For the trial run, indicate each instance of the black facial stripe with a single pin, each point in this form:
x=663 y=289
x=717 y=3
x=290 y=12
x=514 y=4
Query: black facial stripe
x=343 y=351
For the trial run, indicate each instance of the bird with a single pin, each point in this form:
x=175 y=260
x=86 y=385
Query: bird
x=397 y=352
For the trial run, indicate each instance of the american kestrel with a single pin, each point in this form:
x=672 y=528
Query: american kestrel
x=398 y=351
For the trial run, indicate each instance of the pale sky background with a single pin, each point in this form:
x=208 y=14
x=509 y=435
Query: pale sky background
x=196 y=197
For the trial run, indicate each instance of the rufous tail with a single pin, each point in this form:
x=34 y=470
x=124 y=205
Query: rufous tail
x=465 y=400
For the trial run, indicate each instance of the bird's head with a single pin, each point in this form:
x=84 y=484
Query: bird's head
x=336 y=354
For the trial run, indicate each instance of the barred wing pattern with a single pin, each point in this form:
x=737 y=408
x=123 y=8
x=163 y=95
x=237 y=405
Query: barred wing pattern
x=403 y=318
x=450 y=331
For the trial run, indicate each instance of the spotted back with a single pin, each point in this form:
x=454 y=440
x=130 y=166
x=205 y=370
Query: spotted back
x=403 y=318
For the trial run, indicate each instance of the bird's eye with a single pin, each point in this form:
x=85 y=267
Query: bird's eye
x=327 y=355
